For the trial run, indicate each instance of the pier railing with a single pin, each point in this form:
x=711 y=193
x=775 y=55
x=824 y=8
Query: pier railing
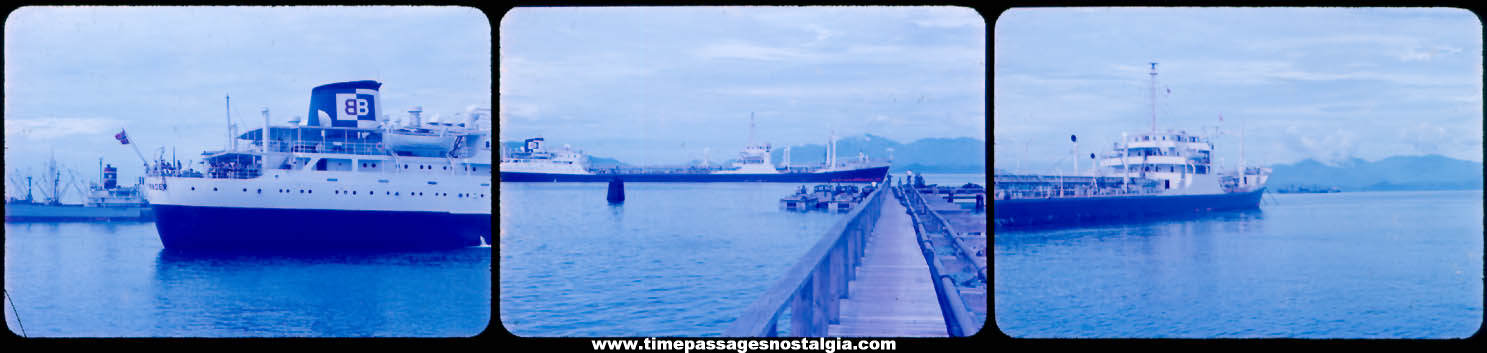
x=934 y=222
x=814 y=286
x=960 y=321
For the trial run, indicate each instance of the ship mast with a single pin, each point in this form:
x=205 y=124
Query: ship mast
x=1153 y=97
x=228 y=99
x=751 y=129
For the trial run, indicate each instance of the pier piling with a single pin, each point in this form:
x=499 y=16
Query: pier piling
x=616 y=190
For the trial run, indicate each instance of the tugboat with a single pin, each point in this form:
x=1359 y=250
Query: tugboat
x=126 y=202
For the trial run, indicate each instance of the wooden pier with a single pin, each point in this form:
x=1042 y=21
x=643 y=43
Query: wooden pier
x=867 y=277
x=893 y=295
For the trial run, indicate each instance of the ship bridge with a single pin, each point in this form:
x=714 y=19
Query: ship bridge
x=1174 y=157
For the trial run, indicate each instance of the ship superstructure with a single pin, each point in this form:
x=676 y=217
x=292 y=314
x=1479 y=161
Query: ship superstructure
x=535 y=158
x=341 y=178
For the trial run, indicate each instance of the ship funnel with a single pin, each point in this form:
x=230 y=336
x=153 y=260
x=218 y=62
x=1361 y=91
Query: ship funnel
x=533 y=145
x=413 y=115
x=110 y=177
x=345 y=104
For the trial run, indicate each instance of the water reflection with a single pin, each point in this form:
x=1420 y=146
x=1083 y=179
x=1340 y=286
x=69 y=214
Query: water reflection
x=1130 y=233
x=321 y=293
x=1239 y=216
x=617 y=214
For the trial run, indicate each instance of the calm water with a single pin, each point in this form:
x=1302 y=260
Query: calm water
x=1345 y=265
x=115 y=280
x=676 y=259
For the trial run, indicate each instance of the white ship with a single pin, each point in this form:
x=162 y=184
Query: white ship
x=341 y=179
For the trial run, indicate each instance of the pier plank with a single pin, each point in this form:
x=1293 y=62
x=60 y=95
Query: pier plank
x=892 y=294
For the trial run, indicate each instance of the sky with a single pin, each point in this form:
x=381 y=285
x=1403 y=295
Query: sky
x=1328 y=84
x=75 y=76
x=656 y=85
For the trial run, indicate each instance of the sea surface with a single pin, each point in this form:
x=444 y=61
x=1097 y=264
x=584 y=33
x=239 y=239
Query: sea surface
x=1342 y=265
x=675 y=259
x=115 y=280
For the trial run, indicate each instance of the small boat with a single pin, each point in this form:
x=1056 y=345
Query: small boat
x=799 y=200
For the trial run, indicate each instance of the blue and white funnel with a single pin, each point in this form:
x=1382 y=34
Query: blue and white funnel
x=345 y=104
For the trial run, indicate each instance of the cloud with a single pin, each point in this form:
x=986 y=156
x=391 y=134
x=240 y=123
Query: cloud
x=747 y=51
x=1258 y=72
x=1426 y=54
x=950 y=17
x=44 y=129
x=1445 y=139
x=1426 y=138
x=524 y=111
x=1328 y=148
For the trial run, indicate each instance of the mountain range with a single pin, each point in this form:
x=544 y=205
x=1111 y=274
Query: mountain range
x=1427 y=172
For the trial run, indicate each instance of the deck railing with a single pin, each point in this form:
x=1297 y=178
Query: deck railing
x=814 y=286
x=959 y=320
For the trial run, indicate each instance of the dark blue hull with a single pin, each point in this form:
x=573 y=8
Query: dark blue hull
x=857 y=175
x=231 y=228
x=1037 y=212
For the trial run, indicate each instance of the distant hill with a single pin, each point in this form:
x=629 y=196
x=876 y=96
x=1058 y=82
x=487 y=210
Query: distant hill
x=1429 y=172
x=943 y=155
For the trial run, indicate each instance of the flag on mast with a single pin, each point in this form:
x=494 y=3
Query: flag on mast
x=123 y=139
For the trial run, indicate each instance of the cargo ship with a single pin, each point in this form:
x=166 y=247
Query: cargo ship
x=1152 y=174
x=107 y=201
x=534 y=163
